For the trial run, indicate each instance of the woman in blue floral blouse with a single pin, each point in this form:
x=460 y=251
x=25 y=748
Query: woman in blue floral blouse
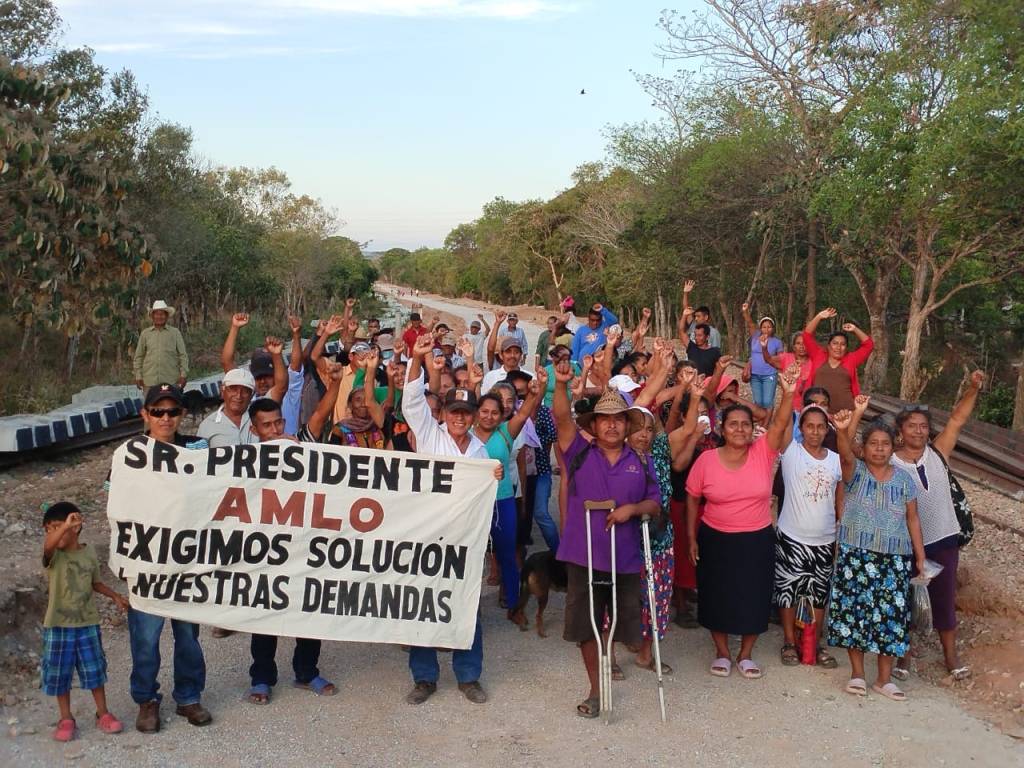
x=879 y=532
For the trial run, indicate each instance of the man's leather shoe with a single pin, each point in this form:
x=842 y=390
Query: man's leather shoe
x=473 y=692
x=196 y=713
x=421 y=692
x=148 y=720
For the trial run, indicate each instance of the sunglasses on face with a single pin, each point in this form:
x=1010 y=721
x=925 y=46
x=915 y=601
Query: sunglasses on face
x=917 y=408
x=159 y=413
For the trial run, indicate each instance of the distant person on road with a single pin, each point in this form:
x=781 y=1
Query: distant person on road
x=71 y=627
x=928 y=464
x=546 y=340
x=478 y=338
x=834 y=368
x=700 y=351
x=592 y=336
x=414 y=331
x=160 y=354
x=511 y=328
x=692 y=318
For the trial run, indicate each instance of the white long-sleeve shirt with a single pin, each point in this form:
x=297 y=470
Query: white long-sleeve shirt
x=432 y=437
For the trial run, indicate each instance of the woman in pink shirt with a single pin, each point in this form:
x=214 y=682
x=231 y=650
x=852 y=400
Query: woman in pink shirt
x=734 y=549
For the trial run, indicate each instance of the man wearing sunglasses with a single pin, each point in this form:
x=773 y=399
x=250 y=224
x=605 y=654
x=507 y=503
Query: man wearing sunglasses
x=162 y=413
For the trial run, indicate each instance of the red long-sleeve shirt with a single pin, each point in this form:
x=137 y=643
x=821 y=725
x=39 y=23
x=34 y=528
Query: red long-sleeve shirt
x=851 y=361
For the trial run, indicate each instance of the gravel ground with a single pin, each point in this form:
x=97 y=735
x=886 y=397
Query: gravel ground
x=793 y=717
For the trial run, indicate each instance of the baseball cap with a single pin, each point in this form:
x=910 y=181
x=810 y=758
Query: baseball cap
x=448 y=340
x=442 y=326
x=261 y=363
x=460 y=399
x=385 y=341
x=622 y=383
x=239 y=377
x=475 y=323
x=512 y=316
x=164 y=392
x=360 y=347
x=507 y=342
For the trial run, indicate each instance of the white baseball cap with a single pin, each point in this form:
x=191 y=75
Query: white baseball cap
x=622 y=383
x=239 y=377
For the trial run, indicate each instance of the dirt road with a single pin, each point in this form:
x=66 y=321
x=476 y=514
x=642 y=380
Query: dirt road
x=792 y=717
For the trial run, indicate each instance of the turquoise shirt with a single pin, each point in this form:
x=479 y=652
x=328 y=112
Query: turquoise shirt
x=499 y=446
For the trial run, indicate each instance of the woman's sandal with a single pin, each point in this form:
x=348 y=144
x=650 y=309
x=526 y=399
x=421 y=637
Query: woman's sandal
x=721 y=667
x=749 y=669
x=960 y=673
x=259 y=694
x=857 y=686
x=789 y=655
x=891 y=691
x=617 y=673
x=589 y=708
x=318 y=685
x=649 y=666
x=826 y=660
x=901 y=673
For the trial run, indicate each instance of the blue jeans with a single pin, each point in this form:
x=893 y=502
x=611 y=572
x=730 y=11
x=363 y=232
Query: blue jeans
x=264 y=664
x=467 y=665
x=763 y=387
x=542 y=514
x=144 y=631
x=503 y=534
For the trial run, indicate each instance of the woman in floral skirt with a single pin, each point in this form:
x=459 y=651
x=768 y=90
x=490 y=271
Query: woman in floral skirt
x=879 y=533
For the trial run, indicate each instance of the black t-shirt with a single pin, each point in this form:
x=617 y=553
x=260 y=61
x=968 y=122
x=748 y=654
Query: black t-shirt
x=704 y=359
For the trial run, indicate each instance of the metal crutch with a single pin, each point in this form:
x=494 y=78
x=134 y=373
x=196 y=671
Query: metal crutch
x=645 y=529
x=604 y=656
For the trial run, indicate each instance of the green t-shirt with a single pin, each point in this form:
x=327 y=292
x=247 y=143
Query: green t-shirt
x=72 y=573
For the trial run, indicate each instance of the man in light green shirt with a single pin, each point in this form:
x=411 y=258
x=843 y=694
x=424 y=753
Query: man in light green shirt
x=160 y=356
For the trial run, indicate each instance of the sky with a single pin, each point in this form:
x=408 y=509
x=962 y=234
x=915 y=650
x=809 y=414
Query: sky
x=404 y=116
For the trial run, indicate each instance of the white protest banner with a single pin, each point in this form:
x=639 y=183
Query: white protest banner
x=303 y=540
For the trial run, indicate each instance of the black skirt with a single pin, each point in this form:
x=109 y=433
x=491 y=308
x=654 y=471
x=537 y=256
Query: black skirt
x=735 y=576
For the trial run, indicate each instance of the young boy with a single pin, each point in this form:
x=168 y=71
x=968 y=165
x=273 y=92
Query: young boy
x=71 y=629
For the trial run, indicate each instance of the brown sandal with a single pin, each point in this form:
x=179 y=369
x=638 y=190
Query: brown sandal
x=826 y=660
x=790 y=657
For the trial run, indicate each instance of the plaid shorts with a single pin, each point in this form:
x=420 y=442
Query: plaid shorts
x=68 y=648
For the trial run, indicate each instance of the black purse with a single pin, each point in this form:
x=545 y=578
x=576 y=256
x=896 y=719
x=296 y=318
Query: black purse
x=961 y=505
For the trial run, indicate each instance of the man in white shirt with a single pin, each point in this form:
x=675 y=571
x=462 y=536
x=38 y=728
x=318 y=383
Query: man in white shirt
x=452 y=438
x=478 y=338
x=511 y=355
x=229 y=424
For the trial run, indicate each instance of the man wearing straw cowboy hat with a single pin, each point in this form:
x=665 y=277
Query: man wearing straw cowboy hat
x=160 y=355
x=605 y=470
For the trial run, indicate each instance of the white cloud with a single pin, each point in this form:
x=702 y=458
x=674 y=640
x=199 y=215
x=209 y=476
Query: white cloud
x=495 y=9
x=125 y=47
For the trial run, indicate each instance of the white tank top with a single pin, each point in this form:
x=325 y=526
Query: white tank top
x=934 y=500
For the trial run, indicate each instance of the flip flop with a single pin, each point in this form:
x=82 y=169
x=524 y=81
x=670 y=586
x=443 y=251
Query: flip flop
x=589 y=708
x=857 y=686
x=259 y=694
x=901 y=673
x=721 y=667
x=617 y=673
x=825 y=659
x=318 y=685
x=649 y=666
x=749 y=669
x=891 y=691
x=960 y=673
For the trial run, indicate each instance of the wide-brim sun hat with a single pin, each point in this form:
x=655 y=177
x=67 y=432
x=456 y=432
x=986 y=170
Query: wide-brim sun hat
x=162 y=306
x=611 y=403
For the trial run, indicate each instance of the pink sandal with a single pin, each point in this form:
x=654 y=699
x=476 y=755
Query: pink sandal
x=721 y=667
x=108 y=723
x=66 y=730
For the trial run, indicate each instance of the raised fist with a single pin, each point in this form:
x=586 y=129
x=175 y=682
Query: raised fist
x=239 y=319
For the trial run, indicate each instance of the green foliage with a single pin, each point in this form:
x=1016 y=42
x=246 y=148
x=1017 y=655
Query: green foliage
x=996 y=406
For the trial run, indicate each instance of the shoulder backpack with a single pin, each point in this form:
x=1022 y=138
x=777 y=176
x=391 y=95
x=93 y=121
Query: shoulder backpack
x=961 y=505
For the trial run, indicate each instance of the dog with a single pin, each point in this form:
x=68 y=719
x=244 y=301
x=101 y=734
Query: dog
x=541 y=573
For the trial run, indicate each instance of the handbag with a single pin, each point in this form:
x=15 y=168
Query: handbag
x=961 y=506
